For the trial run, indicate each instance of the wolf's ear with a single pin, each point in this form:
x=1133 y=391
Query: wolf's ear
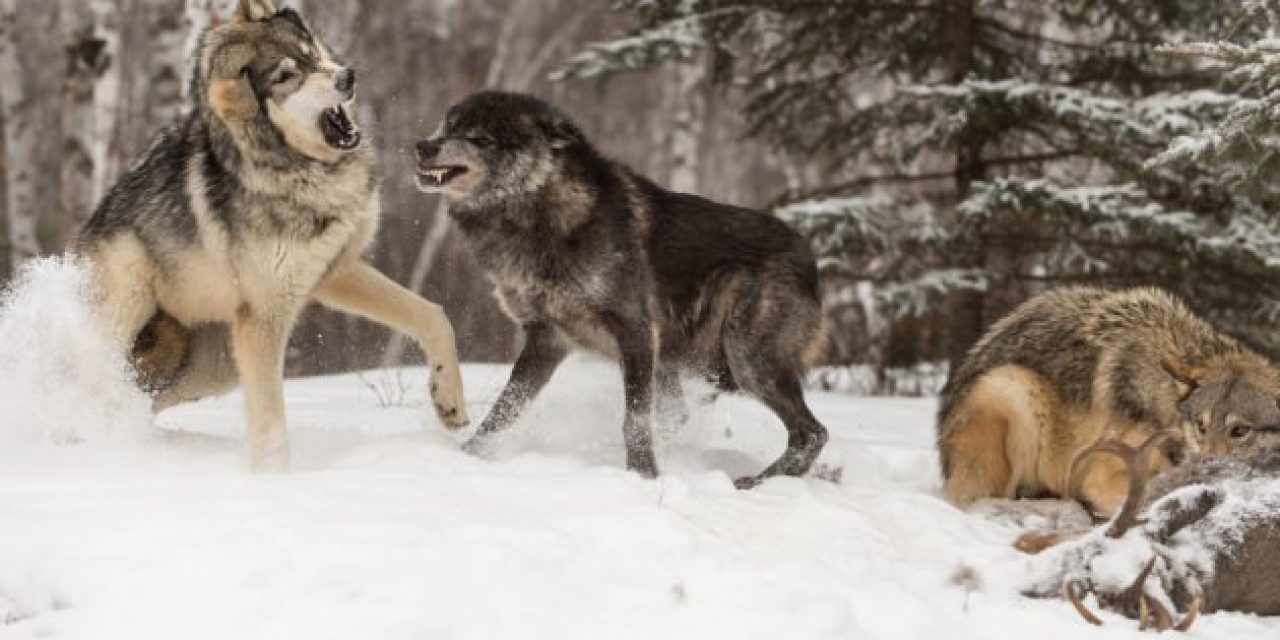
x=562 y=132
x=254 y=10
x=231 y=95
x=1186 y=376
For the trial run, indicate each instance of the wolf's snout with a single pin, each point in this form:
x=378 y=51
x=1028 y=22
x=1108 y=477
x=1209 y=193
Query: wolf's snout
x=428 y=149
x=346 y=82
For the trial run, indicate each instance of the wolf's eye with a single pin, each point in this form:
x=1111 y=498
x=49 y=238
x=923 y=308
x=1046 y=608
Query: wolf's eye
x=481 y=141
x=285 y=75
x=1239 y=431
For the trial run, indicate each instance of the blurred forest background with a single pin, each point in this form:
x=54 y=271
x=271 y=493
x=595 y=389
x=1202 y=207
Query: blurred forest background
x=948 y=158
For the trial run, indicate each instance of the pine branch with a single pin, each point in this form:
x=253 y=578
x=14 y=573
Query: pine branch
x=842 y=188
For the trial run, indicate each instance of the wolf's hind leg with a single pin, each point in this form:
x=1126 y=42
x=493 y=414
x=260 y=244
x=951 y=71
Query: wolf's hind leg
x=995 y=441
x=764 y=349
x=159 y=352
x=977 y=466
x=362 y=290
x=209 y=369
x=123 y=297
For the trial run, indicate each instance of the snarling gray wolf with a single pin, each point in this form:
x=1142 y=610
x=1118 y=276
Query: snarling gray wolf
x=1076 y=365
x=259 y=200
x=586 y=253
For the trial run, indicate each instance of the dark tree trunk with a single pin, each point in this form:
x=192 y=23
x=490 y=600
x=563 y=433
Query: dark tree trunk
x=966 y=306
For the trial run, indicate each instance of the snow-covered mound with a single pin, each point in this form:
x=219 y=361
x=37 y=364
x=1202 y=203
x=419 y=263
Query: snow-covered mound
x=384 y=529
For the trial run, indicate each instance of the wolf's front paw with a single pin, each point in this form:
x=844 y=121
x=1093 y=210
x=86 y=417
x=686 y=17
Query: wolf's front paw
x=642 y=463
x=446 y=395
x=269 y=459
x=480 y=446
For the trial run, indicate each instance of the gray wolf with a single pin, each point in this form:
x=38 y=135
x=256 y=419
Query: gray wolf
x=1075 y=365
x=584 y=252
x=259 y=200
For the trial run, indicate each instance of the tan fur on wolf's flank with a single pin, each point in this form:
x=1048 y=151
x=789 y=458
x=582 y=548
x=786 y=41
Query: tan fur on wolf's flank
x=1013 y=438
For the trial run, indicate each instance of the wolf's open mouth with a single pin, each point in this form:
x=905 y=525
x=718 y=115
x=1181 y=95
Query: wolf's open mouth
x=338 y=129
x=438 y=175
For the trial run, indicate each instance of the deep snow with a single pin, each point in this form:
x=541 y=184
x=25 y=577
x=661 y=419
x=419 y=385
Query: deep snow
x=384 y=529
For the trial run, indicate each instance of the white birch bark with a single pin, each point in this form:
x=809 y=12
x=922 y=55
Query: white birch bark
x=689 y=108
x=84 y=56
x=106 y=96
x=20 y=138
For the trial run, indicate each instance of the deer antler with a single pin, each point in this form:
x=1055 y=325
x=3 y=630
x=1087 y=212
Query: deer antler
x=1074 y=594
x=1148 y=607
x=1193 y=610
x=1137 y=461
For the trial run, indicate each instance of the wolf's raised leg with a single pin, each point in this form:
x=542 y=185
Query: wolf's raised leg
x=362 y=290
x=542 y=354
x=258 y=343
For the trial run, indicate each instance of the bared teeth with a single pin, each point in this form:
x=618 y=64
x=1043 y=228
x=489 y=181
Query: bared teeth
x=438 y=174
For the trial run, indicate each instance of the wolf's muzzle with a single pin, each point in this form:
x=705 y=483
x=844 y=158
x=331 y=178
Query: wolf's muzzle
x=428 y=150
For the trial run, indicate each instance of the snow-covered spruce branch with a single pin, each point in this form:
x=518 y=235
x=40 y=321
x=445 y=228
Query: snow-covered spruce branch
x=677 y=40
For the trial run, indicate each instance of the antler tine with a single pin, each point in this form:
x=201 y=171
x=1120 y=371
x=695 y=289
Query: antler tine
x=1164 y=620
x=1144 y=612
x=1137 y=463
x=1193 y=610
x=1069 y=590
x=1149 y=607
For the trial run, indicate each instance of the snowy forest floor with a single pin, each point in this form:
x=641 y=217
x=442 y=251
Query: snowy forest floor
x=384 y=529
x=115 y=525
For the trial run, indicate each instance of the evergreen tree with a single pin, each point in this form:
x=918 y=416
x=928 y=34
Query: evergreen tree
x=973 y=153
x=1235 y=148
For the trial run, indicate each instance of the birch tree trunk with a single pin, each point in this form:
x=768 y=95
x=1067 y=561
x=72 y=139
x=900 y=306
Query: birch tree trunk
x=18 y=110
x=164 y=68
x=197 y=16
x=85 y=57
x=439 y=231
x=689 y=107
x=106 y=96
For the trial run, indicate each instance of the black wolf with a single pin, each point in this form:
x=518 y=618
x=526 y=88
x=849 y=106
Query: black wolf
x=586 y=253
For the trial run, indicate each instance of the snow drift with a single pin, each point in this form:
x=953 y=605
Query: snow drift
x=60 y=379
x=384 y=529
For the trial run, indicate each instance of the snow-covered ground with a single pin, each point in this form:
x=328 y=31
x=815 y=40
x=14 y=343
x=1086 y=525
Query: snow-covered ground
x=384 y=529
